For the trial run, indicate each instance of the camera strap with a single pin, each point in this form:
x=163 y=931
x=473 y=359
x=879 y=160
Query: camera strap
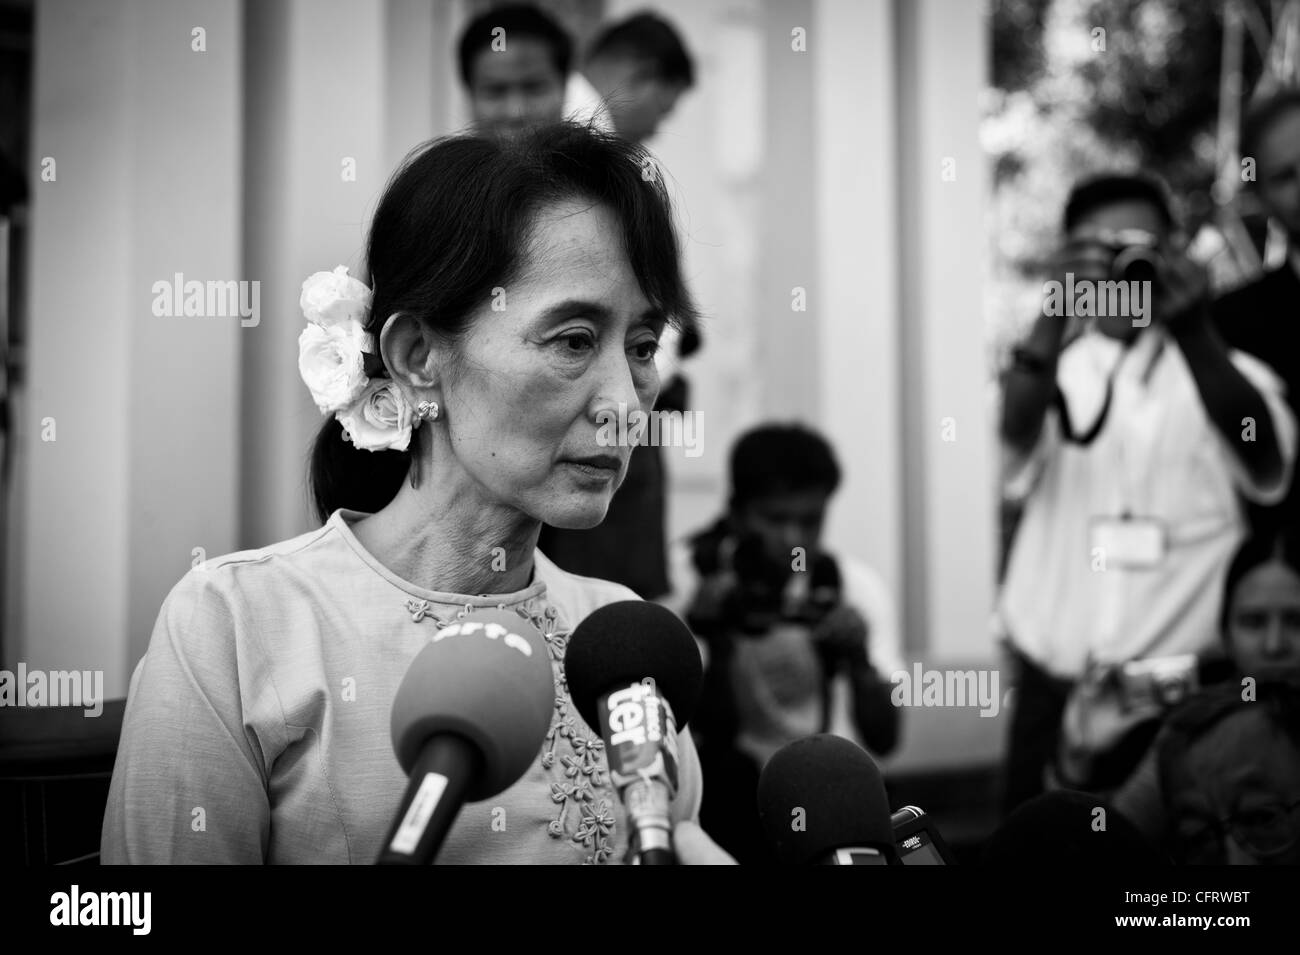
x=1063 y=410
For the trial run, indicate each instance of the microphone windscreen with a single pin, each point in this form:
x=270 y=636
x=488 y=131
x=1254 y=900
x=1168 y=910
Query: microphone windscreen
x=819 y=794
x=625 y=642
x=1064 y=826
x=487 y=678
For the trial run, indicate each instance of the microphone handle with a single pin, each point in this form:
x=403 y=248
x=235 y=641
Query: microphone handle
x=658 y=857
x=439 y=783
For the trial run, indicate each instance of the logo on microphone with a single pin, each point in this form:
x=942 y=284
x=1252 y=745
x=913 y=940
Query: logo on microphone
x=493 y=631
x=642 y=734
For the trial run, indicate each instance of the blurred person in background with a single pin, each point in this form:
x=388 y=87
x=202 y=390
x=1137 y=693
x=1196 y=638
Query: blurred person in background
x=514 y=61
x=1129 y=444
x=635 y=73
x=797 y=640
x=1230 y=773
x=1260 y=627
x=1263 y=317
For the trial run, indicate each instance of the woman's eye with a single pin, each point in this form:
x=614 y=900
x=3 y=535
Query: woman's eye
x=576 y=343
x=646 y=351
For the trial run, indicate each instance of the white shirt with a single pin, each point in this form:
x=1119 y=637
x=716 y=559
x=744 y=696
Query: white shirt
x=265 y=701
x=1158 y=456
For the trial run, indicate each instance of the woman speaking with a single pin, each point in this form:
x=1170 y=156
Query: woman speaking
x=516 y=292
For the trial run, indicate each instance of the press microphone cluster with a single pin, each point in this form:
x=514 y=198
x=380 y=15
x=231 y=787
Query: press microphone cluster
x=634 y=673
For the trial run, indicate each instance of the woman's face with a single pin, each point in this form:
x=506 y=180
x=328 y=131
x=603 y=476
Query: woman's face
x=557 y=350
x=1246 y=771
x=1264 y=623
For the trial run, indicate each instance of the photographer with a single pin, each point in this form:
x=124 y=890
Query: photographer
x=789 y=631
x=1129 y=443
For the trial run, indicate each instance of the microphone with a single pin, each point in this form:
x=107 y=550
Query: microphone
x=634 y=673
x=467 y=722
x=821 y=801
x=1064 y=826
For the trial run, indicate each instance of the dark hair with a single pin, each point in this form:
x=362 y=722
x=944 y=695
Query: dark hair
x=1280 y=702
x=1262 y=113
x=517 y=19
x=650 y=39
x=777 y=458
x=453 y=224
x=1115 y=187
x=1256 y=550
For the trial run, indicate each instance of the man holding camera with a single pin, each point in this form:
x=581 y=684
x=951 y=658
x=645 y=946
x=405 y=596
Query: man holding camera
x=789 y=631
x=1128 y=442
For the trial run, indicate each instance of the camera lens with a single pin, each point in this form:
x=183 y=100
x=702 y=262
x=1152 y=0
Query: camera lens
x=1136 y=264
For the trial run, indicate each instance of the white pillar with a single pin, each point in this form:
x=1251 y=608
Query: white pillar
x=854 y=167
x=144 y=133
x=948 y=439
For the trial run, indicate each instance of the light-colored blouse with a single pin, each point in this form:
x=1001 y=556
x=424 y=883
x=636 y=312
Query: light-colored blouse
x=257 y=723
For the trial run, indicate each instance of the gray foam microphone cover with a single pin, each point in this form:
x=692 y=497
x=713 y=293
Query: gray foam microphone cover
x=487 y=678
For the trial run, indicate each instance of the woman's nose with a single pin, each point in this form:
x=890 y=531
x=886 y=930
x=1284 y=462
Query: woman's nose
x=1275 y=643
x=616 y=389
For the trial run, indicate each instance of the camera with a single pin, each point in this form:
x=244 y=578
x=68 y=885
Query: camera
x=1134 y=254
x=770 y=591
x=1158 y=683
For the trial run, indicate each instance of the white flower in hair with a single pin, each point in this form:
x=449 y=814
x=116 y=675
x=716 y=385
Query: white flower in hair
x=332 y=364
x=380 y=419
x=334 y=298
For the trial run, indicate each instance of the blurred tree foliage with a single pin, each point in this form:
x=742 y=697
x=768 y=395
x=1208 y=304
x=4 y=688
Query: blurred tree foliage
x=1084 y=86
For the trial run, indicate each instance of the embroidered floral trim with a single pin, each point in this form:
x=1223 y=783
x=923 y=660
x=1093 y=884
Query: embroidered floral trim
x=586 y=815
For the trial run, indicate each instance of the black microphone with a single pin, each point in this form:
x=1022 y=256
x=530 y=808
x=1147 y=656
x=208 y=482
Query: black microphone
x=469 y=717
x=1065 y=826
x=634 y=672
x=821 y=801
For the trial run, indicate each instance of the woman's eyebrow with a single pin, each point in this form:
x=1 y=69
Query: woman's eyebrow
x=571 y=307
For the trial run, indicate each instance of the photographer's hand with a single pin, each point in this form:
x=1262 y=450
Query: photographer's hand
x=1029 y=383
x=842 y=634
x=1183 y=298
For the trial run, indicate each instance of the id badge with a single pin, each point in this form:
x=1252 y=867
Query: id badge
x=1135 y=543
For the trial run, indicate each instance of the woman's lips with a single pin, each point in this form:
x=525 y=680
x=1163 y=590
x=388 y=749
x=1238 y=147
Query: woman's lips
x=595 y=470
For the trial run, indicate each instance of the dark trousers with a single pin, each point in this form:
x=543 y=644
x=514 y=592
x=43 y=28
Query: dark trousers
x=1035 y=731
x=729 y=811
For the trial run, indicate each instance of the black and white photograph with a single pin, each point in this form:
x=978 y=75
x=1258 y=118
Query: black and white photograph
x=652 y=432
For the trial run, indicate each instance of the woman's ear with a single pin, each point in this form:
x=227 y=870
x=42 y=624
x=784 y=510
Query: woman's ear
x=407 y=351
